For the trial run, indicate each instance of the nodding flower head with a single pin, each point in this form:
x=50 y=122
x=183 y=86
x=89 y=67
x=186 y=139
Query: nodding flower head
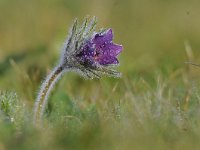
x=89 y=52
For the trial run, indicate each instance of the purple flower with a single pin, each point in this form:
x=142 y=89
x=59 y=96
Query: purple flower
x=100 y=49
x=89 y=52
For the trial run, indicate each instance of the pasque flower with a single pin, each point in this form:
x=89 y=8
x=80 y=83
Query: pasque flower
x=100 y=49
x=90 y=53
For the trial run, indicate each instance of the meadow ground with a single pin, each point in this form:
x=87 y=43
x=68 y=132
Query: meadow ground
x=156 y=103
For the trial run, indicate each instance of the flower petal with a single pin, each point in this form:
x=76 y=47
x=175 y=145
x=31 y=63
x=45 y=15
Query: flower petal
x=107 y=60
x=104 y=38
x=111 y=49
x=87 y=50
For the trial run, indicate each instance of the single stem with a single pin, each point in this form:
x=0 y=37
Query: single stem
x=44 y=92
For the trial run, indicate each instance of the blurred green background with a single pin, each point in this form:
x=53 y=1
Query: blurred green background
x=158 y=36
x=152 y=32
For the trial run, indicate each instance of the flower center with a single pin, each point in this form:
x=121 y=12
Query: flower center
x=97 y=54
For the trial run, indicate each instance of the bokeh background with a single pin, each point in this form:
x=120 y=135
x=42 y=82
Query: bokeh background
x=152 y=32
x=158 y=36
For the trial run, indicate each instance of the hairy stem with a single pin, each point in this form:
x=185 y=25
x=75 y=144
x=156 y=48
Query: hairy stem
x=44 y=92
